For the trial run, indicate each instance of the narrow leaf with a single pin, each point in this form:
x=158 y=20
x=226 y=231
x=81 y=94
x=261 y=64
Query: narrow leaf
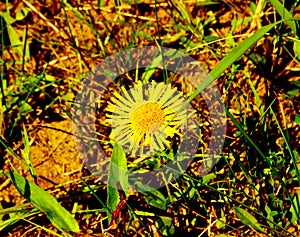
x=297 y=119
x=247 y=219
x=296 y=48
x=234 y=55
x=42 y=200
x=295 y=208
x=284 y=13
x=239 y=50
x=150 y=70
x=144 y=213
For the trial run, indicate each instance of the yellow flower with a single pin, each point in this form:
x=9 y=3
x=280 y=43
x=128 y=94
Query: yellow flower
x=143 y=117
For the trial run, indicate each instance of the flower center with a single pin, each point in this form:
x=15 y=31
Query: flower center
x=147 y=118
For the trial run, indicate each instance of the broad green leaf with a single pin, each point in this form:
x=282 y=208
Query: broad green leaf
x=117 y=174
x=296 y=155
x=113 y=199
x=247 y=219
x=42 y=200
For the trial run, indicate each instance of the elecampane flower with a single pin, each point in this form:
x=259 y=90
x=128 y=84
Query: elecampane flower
x=145 y=116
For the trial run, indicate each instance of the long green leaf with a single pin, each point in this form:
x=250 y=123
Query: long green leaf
x=234 y=55
x=284 y=13
x=247 y=219
x=42 y=200
x=242 y=47
x=117 y=173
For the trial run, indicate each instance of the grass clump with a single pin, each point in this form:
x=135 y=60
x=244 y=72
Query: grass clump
x=250 y=49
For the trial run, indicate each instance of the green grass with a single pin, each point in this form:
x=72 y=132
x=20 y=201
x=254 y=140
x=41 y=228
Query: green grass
x=253 y=188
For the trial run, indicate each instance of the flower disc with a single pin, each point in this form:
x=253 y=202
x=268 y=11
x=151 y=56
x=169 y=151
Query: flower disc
x=145 y=116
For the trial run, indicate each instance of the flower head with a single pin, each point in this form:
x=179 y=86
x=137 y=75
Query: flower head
x=145 y=116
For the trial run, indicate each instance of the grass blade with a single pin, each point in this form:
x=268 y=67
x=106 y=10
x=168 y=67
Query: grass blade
x=284 y=13
x=234 y=55
x=247 y=219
